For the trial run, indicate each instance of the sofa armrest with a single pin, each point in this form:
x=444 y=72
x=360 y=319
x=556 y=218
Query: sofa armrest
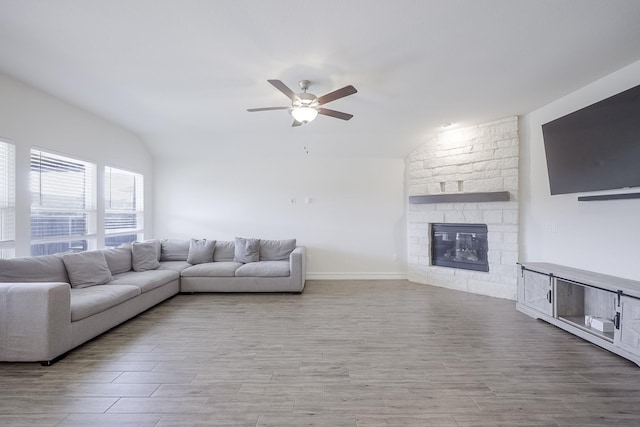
x=298 y=266
x=35 y=321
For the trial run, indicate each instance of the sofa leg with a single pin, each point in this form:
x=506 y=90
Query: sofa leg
x=52 y=361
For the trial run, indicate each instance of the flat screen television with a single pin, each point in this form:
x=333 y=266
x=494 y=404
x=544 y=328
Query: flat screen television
x=596 y=147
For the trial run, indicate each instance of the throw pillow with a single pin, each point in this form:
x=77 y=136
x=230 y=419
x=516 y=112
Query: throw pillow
x=247 y=250
x=201 y=251
x=87 y=269
x=276 y=250
x=118 y=259
x=144 y=256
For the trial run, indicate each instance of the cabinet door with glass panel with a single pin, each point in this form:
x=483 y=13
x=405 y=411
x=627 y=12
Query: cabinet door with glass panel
x=589 y=308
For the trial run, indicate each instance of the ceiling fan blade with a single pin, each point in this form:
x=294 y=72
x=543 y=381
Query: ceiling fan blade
x=337 y=94
x=296 y=123
x=334 y=113
x=267 y=109
x=284 y=89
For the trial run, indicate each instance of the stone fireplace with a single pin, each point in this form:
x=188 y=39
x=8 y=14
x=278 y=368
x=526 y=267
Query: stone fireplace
x=465 y=176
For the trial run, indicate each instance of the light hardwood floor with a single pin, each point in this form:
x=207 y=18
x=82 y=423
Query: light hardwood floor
x=344 y=353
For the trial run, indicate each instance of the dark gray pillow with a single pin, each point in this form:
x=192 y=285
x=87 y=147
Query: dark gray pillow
x=276 y=250
x=201 y=251
x=247 y=250
x=87 y=269
x=145 y=255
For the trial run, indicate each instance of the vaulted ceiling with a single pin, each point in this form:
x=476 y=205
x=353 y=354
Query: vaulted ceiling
x=181 y=74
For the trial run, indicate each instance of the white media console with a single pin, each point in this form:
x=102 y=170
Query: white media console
x=602 y=309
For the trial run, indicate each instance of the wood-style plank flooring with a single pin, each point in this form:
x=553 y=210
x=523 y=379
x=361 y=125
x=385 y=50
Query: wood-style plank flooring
x=342 y=354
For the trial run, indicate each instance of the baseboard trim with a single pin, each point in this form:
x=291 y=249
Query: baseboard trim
x=356 y=276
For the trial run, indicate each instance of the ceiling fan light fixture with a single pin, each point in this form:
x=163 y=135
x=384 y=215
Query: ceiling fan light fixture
x=305 y=106
x=304 y=114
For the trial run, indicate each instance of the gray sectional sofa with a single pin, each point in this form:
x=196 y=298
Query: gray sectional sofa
x=51 y=304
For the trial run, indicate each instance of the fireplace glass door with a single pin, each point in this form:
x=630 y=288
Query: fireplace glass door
x=460 y=246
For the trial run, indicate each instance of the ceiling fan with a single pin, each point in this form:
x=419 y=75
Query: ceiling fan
x=306 y=106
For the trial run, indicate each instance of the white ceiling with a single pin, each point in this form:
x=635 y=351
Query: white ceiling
x=181 y=74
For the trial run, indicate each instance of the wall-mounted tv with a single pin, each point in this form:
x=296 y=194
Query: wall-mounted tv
x=596 y=147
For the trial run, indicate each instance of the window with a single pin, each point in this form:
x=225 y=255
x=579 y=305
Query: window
x=7 y=200
x=124 y=208
x=63 y=204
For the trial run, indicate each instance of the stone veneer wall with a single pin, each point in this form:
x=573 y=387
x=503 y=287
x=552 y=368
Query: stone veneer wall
x=480 y=158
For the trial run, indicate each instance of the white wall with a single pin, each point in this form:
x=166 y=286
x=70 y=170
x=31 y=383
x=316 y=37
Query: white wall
x=31 y=118
x=353 y=225
x=596 y=236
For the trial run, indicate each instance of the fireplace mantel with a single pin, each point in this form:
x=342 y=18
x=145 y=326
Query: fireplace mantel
x=493 y=196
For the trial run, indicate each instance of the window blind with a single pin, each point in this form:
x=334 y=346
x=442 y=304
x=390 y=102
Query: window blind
x=124 y=206
x=63 y=204
x=7 y=200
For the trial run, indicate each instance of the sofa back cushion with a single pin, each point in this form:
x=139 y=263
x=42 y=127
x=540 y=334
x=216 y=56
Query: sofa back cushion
x=49 y=268
x=118 y=259
x=87 y=269
x=276 y=250
x=174 y=249
x=145 y=255
x=224 y=251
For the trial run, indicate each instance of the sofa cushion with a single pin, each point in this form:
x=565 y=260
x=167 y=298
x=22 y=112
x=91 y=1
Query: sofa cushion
x=224 y=251
x=174 y=265
x=118 y=259
x=146 y=280
x=201 y=251
x=276 y=250
x=86 y=302
x=174 y=249
x=144 y=256
x=247 y=250
x=212 y=269
x=87 y=269
x=264 y=269
x=48 y=268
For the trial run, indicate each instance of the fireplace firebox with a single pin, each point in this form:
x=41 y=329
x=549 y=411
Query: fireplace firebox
x=460 y=246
